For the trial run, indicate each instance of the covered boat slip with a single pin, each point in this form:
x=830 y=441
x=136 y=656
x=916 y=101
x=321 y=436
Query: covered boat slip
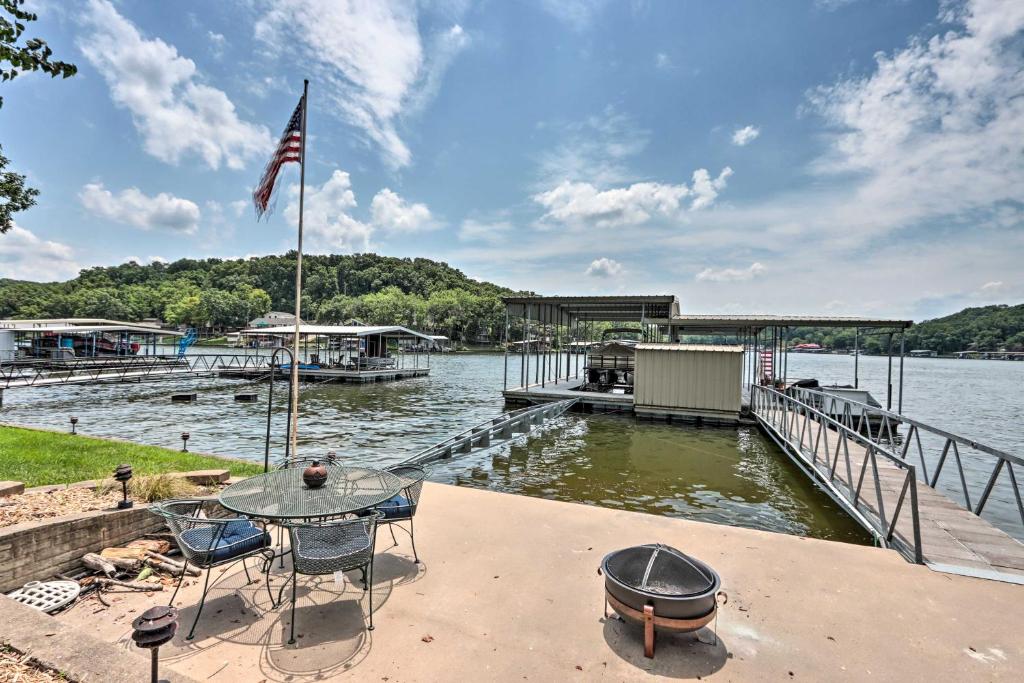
x=35 y=340
x=346 y=353
x=572 y=326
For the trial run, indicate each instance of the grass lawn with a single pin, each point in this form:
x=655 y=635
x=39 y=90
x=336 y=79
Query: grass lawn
x=39 y=458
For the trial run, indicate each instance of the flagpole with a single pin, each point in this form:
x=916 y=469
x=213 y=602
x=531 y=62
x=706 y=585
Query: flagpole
x=298 y=276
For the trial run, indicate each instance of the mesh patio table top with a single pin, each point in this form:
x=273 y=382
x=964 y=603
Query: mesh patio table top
x=282 y=494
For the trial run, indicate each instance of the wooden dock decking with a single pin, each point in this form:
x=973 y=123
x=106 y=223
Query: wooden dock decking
x=331 y=374
x=953 y=539
x=563 y=389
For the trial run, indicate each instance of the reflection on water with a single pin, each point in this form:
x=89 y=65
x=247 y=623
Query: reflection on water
x=726 y=476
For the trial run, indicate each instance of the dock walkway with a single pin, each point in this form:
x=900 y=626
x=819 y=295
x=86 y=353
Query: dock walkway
x=951 y=538
x=331 y=374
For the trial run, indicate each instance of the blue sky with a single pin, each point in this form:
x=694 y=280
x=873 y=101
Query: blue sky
x=840 y=156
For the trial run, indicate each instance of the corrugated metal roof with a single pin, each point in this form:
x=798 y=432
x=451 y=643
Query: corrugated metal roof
x=735 y=321
x=340 y=330
x=89 y=329
x=717 y=348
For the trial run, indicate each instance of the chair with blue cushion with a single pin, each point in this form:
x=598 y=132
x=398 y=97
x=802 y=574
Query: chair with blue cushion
x=208 y=542
x=402 y=507
x=339 y=545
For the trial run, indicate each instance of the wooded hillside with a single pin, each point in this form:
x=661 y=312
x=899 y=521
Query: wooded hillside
x=217 y=292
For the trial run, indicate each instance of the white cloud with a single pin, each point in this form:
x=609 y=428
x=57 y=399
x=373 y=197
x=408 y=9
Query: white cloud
x=577 y=14
x=584 y=204
x=132 y=207
x=217 y=43
x=329 y=223
x=24 y=256
x=662 y=61
x=493 y=232
x=369 y=57
x=604 y=268
x=239 y=206
x=594 y=150
x=993 y=286
x=391 y=212
x=175 y=113
x=745 y=135
x=327 y=220
x=937 y=129
x=730 y=274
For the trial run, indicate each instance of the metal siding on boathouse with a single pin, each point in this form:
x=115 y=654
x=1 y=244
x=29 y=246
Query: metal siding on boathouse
x=688 y=379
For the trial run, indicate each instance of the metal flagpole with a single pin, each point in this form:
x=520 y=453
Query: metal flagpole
x=298 y=275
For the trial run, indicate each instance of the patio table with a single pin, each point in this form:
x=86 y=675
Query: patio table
x=282 y=495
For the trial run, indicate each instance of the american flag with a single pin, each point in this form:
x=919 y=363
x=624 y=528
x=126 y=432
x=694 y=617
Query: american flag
x=288 y=149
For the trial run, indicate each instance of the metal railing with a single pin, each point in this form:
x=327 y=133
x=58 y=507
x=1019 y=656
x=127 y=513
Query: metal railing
x=121 y=369
x=493 y=432
x=938 y=444
x=823 y=443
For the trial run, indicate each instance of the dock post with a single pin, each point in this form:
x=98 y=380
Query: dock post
x=888 y=391
x=856 y=357
x=525 y=361
x=899 y=403
x=504 y=385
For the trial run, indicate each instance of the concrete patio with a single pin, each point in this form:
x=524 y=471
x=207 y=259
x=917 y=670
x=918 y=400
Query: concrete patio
x=508 y=590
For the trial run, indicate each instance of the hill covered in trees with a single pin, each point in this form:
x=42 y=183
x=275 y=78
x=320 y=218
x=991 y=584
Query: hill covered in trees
x=229 y=292
x=985 y=328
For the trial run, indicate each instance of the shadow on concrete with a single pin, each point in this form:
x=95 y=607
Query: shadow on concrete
x=399 y=570
x=676 y=655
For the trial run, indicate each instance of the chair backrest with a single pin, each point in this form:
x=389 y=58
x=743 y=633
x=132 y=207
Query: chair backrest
x=197 y=537
x=412 y=476
x=337 y=545
x=306 y=461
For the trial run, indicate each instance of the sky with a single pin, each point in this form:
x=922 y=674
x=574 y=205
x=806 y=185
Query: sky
x=820 y=157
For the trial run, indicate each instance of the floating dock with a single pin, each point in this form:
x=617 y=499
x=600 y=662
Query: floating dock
x=330 y=374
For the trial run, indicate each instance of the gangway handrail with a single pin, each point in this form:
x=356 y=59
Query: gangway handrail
x=780 y=412
x=492 y=432
x=952 y=442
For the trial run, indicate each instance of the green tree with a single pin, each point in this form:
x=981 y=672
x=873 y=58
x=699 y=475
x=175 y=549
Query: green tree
x=15 y=196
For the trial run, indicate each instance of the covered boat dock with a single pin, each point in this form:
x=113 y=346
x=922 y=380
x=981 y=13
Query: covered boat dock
x=573 y=326
x=346 y=353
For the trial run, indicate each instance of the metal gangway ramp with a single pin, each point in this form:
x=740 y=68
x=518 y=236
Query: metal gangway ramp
x=493 y=432
x=873 y=462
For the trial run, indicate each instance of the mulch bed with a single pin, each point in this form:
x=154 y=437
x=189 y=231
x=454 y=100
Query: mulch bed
x=16 y=667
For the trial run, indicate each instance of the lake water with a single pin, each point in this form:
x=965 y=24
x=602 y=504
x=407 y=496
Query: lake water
x=731 y=476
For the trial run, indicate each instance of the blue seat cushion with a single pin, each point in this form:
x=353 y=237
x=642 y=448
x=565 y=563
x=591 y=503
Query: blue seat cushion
x=397 y=507
x=238 y=539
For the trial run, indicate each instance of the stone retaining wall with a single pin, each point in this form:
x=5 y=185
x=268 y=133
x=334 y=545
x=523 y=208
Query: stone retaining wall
x=36 y=551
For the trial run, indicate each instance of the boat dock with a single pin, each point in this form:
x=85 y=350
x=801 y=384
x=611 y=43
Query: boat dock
x=329 y=374
x=904 y=481
x=878 y=484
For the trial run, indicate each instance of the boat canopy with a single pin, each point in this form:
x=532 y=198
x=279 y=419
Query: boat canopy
x=351 y=331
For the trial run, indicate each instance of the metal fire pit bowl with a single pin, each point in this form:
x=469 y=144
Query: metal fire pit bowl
x=661 y=588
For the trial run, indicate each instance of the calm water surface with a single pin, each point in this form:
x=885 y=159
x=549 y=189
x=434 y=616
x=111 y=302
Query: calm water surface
x=731 y=476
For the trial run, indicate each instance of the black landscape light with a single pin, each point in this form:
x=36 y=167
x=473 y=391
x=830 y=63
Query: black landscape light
x=184 y=441
x=332 y=457
x=153 y=628
x=74 y=421
x=122 y=474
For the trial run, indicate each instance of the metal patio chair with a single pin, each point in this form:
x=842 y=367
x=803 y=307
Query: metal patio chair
x=208 y=542
x=338 y=545
x=402 y=507
x=306 y=460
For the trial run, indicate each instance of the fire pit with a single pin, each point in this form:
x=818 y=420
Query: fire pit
x=661 y=588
